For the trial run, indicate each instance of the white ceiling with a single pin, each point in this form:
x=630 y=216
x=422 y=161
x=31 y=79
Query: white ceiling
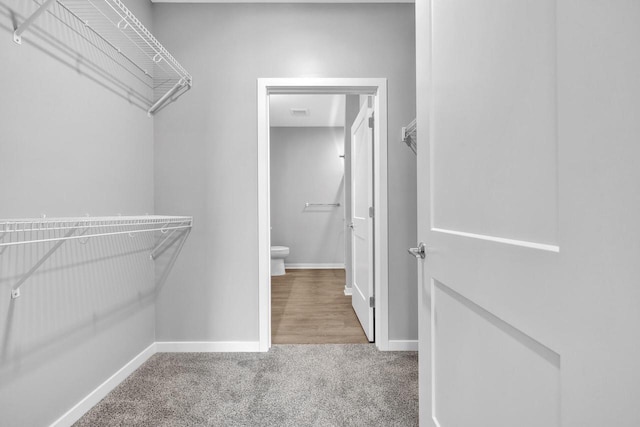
x=323 y=110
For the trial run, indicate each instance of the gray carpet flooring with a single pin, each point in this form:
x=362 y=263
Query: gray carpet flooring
x=291 y=385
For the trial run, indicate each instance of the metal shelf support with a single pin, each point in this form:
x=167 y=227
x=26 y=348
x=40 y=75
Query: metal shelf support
x=15 y=291
x=2 y=249
x=161 y=247
x=409 y=136
x=17 y=34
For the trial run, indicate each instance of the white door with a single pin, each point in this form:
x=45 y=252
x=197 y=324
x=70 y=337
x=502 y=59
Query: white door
x=529 y=204
x=361 y=221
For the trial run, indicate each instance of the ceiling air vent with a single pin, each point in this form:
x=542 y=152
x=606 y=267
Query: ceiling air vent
x=299 y=112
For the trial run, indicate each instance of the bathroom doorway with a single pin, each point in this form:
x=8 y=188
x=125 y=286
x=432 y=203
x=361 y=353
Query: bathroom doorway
x=309 y=192
x=373 y=92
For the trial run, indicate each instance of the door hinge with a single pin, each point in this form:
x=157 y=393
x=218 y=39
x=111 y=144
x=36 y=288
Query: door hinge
x=370 y=211
x=372 y=302
x=371 y=122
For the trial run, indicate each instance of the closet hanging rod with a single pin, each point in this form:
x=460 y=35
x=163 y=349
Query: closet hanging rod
x=308 y=205
x=165 y=97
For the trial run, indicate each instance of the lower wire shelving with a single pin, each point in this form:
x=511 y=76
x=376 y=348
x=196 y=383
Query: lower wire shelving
x=14 y=232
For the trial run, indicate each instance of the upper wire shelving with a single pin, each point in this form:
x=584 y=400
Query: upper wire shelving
x=113 y=31
x=14 y=232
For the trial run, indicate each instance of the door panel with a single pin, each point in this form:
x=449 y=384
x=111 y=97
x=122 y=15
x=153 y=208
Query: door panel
x=483 y=363
x=495 y=175
x=362 y=224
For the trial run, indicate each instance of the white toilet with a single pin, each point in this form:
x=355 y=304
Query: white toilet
x=278 y=254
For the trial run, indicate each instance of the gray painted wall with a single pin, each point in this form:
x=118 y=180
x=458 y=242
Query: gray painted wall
x=306 y=167
x=206 y=153
x=69 y=145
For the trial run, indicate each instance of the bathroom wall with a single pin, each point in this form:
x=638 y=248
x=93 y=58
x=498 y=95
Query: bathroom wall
x=206 y=147
x=306 y=167
x=70 y=144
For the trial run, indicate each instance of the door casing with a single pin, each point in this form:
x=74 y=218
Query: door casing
x=346 y=86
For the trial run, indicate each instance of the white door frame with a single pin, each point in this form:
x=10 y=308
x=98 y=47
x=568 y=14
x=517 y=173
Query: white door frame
x=370 y=86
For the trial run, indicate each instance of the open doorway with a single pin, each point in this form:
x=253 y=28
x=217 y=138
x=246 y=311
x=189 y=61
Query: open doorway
x=310 y=199
x=374 y=92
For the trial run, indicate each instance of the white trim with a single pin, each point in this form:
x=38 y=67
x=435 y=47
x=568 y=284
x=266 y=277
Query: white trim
x=403 y=345
x=264 y=220
x=381 y=227
x=82 y=407
x=316 y=266
x=373 y=86
x=432 y=322
x=348 y=291
x=283 y=1
x=92 y=399
x=207 y=346
x=523 y=243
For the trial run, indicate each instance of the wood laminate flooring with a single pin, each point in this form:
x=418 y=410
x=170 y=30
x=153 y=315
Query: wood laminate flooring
x=309 y=307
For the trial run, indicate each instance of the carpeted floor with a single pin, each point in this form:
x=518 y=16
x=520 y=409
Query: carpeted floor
x=291 y=385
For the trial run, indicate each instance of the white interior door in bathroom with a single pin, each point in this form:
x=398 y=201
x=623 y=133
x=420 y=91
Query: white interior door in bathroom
x=362 y=219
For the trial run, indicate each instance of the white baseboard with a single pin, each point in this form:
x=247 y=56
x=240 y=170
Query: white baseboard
x=207 y=347
x=81 y=408
x=403 y=345
x=348 y=291
x=312 y=266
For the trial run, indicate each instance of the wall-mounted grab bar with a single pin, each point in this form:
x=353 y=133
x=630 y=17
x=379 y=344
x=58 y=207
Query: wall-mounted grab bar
x=308 y=205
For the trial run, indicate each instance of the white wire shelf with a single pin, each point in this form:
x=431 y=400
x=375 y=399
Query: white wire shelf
x=31 y=230
x=14 y=232
x=113 y=31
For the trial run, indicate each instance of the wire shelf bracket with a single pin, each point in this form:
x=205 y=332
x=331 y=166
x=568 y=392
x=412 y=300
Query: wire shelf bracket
x=17 y=34
x=60 y=230
x=409 y=136
x=15 y=291
x=112 y=29
x=163 y=246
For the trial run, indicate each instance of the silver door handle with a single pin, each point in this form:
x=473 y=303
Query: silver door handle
x=420 y=251
x=351 y=225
